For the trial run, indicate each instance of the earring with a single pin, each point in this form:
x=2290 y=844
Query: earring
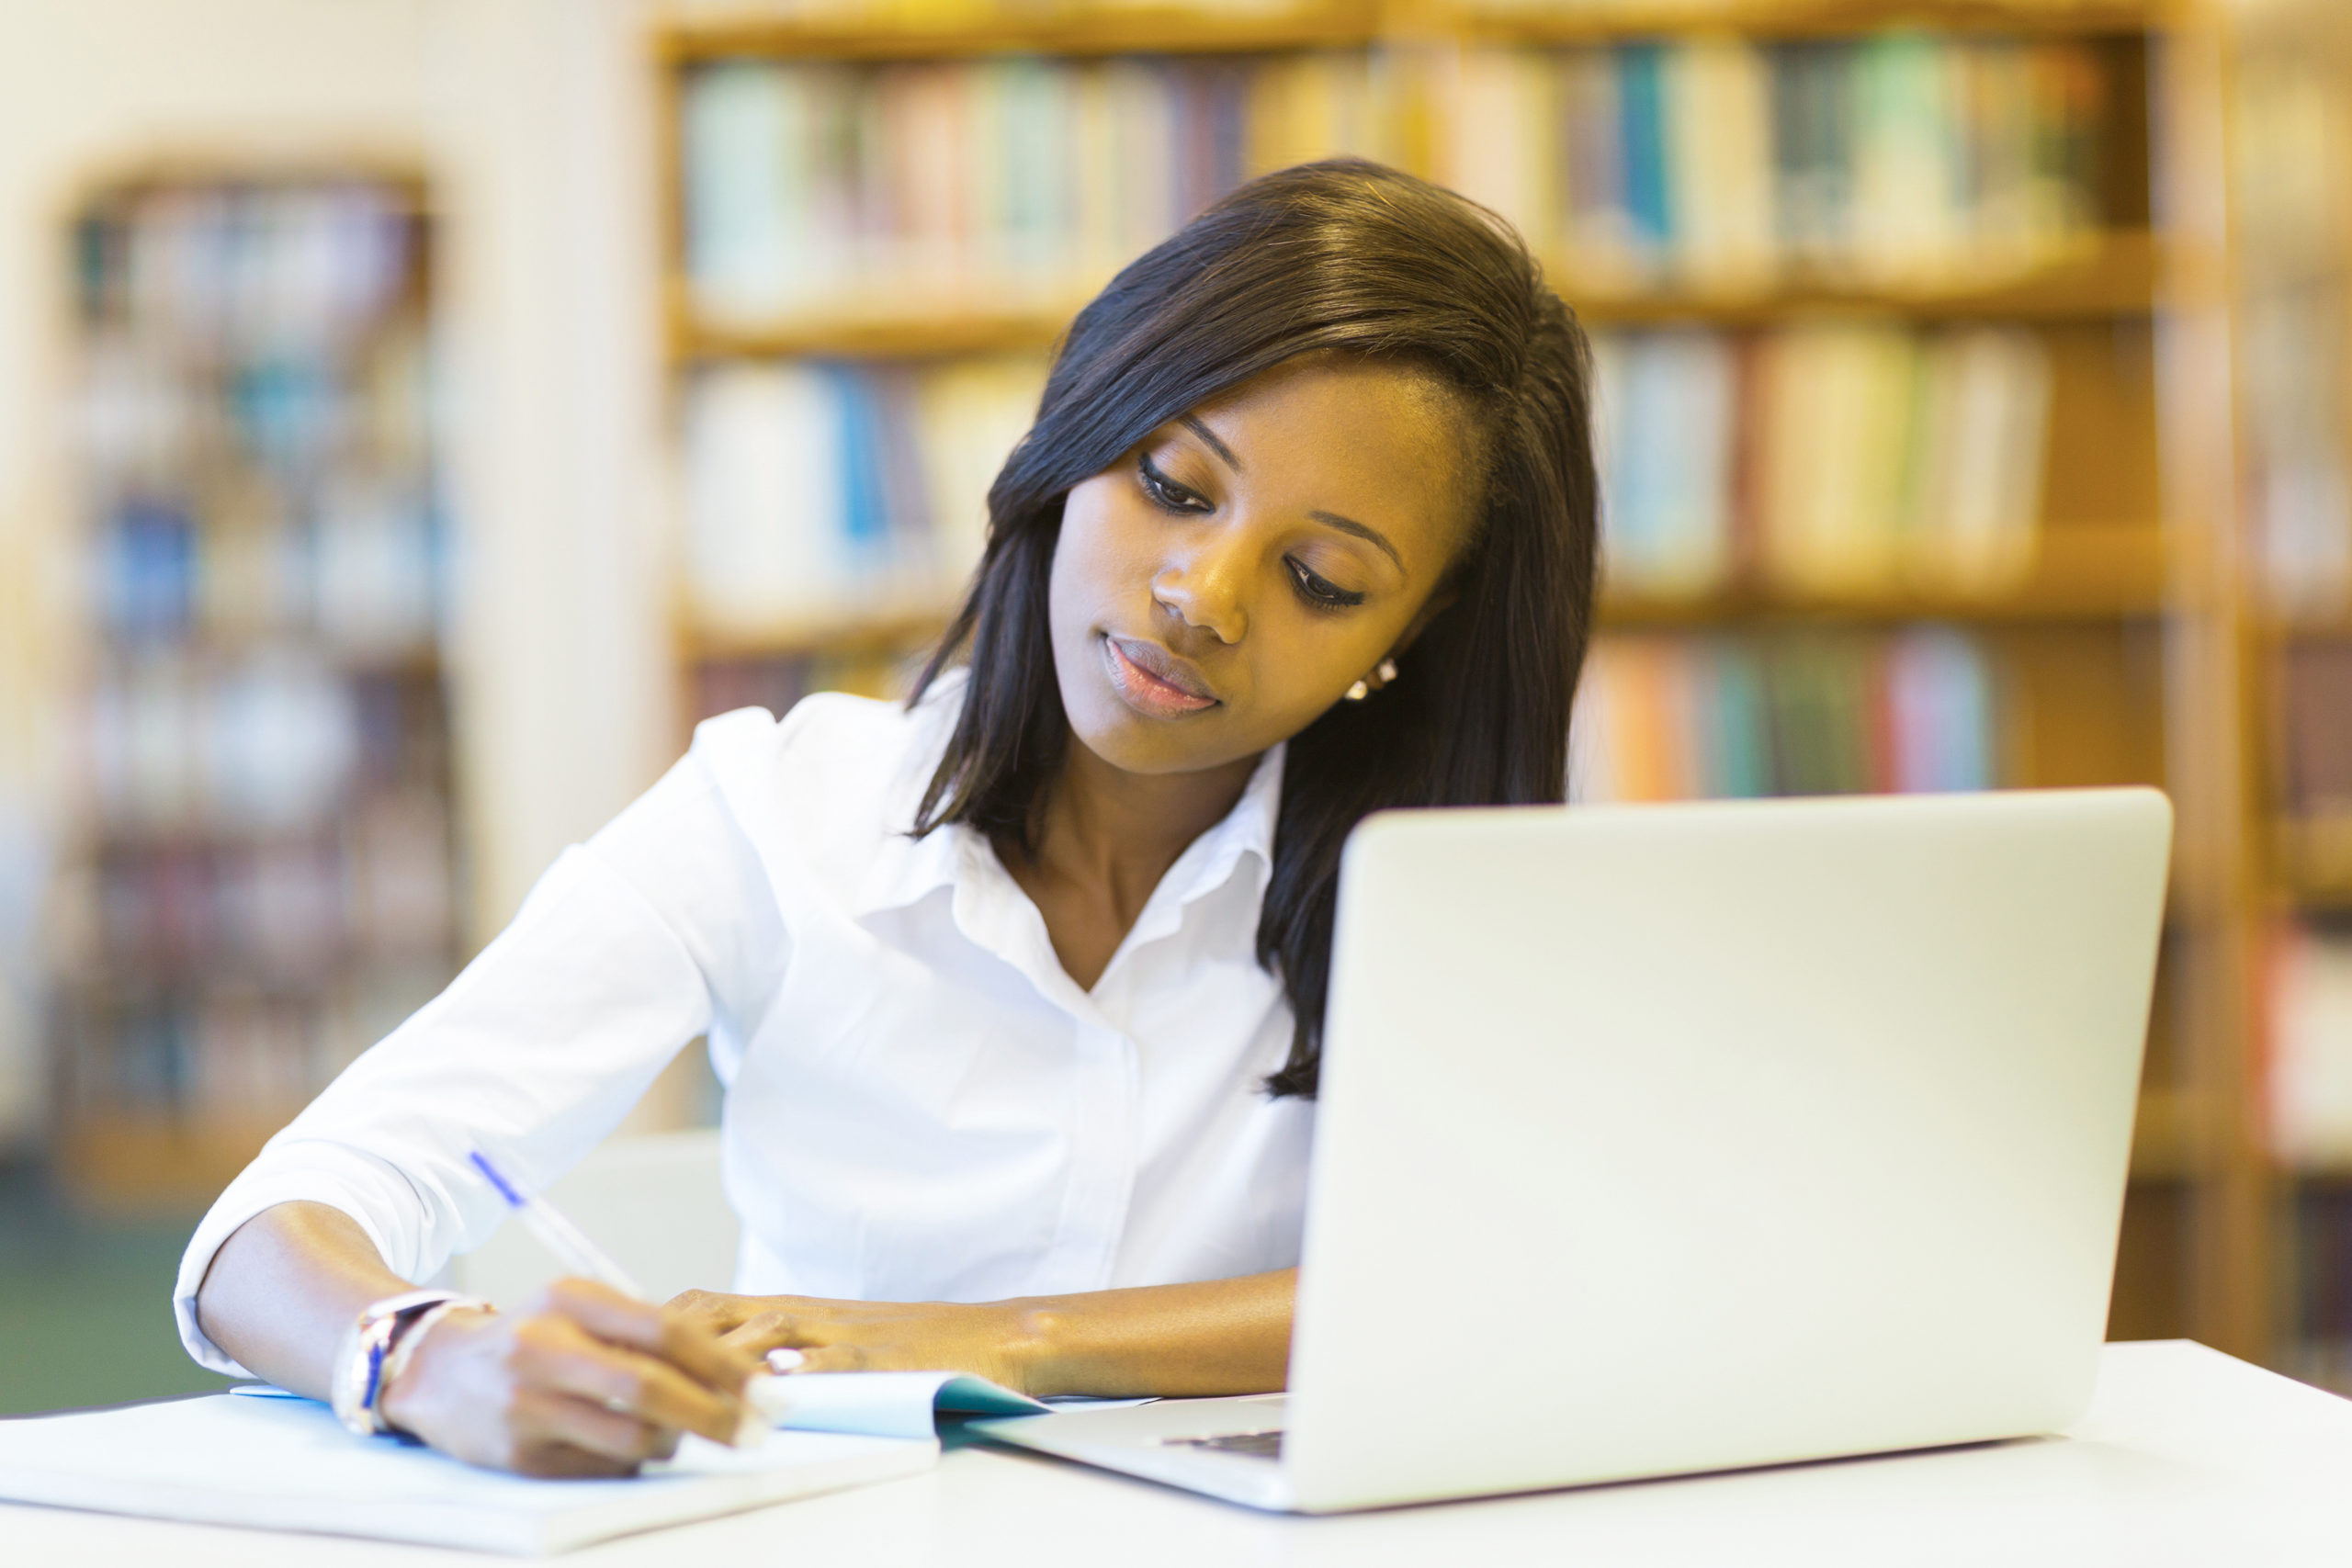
x=1358 y=692
x=1387 y=670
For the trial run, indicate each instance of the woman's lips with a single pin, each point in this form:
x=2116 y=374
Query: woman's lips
x=1145 y=691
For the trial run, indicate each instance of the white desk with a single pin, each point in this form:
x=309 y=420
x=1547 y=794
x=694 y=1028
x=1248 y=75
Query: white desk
x=2187 y=1458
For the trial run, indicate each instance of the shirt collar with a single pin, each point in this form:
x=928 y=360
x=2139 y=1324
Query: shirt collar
x=906 y=869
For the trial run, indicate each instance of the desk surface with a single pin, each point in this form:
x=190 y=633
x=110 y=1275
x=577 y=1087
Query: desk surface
x=2188 y=1456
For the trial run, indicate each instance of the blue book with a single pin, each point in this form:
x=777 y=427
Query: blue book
x=866 y=520
x=1736 y=738
x=1641 y=70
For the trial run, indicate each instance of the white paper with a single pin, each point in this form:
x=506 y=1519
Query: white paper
x=287 y=1464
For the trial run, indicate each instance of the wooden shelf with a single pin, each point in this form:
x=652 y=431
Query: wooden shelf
x=2314 y=858
x=2169 y=1140
x=1070 y=29
x=2117 y=275
x=877 y=630
x=1537 y=23
x=2082 y=574
x=1074 y=28
x=876 y=329
x=158 y=1162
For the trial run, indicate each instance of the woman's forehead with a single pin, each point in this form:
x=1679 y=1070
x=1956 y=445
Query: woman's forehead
x=1350 y=434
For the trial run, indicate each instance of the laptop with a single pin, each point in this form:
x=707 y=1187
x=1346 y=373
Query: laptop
x=1657 y=1140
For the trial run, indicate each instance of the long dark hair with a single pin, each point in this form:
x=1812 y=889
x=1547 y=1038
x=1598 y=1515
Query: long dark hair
x=1342 y=255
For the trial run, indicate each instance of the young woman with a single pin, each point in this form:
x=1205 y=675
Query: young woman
x=1017 y=991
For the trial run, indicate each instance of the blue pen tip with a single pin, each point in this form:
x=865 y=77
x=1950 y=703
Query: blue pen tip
x=482 y=1163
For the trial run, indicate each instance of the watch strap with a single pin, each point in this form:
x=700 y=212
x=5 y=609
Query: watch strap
x=357 y=1377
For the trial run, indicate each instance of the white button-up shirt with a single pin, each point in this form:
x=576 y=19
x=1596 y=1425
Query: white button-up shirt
x=921 y=1103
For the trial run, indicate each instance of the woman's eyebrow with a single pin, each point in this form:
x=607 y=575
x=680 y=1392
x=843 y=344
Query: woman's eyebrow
x=1371 y=535
x=1208 y=435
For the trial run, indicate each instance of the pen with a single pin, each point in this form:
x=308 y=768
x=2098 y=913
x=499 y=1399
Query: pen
x=764 y=1395
x=567 y=1241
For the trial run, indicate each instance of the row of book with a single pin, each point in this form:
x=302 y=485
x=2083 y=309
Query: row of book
x=275 y=740
x=2291 y=126
x=1898 y=157
x=209 y=269
x=1836 y=456
x=263 y=430
x=2310 y=1047
x=2320 y=1305
x=1669 y=718
x=812 y=489
x=232 y=1054
x=363 y=573
x=2315 y=717
x=2298 y=406
x=1015 y=178
x=375 y=886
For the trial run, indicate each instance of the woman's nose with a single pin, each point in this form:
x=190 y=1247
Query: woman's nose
x=1205 y=586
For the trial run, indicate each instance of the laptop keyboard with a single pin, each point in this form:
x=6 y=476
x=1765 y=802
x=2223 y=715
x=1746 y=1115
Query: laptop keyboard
x=1265 y=1445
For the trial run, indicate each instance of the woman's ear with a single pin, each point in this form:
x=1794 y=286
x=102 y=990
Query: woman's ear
x=1436 y=605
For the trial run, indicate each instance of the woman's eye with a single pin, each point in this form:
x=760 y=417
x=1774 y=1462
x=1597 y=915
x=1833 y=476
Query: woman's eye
x=1166 y=492
x=1321 y=591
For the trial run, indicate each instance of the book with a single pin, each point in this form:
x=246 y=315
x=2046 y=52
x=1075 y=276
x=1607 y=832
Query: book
x=2317 y=692
x=1904 y=158
x=1669 y=716
x=287 y=1464
x=820 y=491
x=1839 y=457
x=1667 y=403
x=2308 y=1092
x=982 y=185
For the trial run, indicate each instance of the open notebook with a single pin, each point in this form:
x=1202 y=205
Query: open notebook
x=284 y=1463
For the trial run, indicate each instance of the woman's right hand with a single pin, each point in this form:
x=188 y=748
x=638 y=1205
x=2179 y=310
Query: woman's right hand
x=581 y=1382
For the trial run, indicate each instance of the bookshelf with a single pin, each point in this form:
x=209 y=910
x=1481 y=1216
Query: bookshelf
x=264 y=874
x=2290 y=70
x=2049 y=626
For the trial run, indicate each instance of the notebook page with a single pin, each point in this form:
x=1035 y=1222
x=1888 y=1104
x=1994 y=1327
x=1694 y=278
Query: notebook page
x=287 y=1464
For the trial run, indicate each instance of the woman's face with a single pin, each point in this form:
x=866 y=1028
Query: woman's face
x=1224 y=583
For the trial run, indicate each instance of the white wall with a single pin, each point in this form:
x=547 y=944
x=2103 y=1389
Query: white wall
x=532 y=119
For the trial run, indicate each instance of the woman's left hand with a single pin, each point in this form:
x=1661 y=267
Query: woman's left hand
x=986 y=1339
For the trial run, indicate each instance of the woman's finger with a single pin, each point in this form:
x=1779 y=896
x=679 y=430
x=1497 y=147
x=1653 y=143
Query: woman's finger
x=714 y=1311
x=543 y=1418
x=836 y=1359
x=557 y=1356
x=769 y=1331
x=623 y=1320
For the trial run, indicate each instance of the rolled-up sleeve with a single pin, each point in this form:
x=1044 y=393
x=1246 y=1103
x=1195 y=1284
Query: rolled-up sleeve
x=538 y=1049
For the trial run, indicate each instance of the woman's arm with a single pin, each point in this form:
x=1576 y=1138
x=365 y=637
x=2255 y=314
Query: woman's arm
x=1211 y=1337
x=581 y=1382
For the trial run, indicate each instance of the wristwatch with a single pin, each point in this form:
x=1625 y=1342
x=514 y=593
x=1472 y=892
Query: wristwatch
x=375 y=1347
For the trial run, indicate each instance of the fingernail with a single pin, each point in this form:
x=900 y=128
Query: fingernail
x=783 y=1359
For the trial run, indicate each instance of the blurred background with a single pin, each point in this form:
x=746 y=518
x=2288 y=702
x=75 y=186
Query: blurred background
x=415 y=413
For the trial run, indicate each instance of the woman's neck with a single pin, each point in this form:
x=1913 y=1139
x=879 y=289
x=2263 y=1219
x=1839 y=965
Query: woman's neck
x=1108 y=837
